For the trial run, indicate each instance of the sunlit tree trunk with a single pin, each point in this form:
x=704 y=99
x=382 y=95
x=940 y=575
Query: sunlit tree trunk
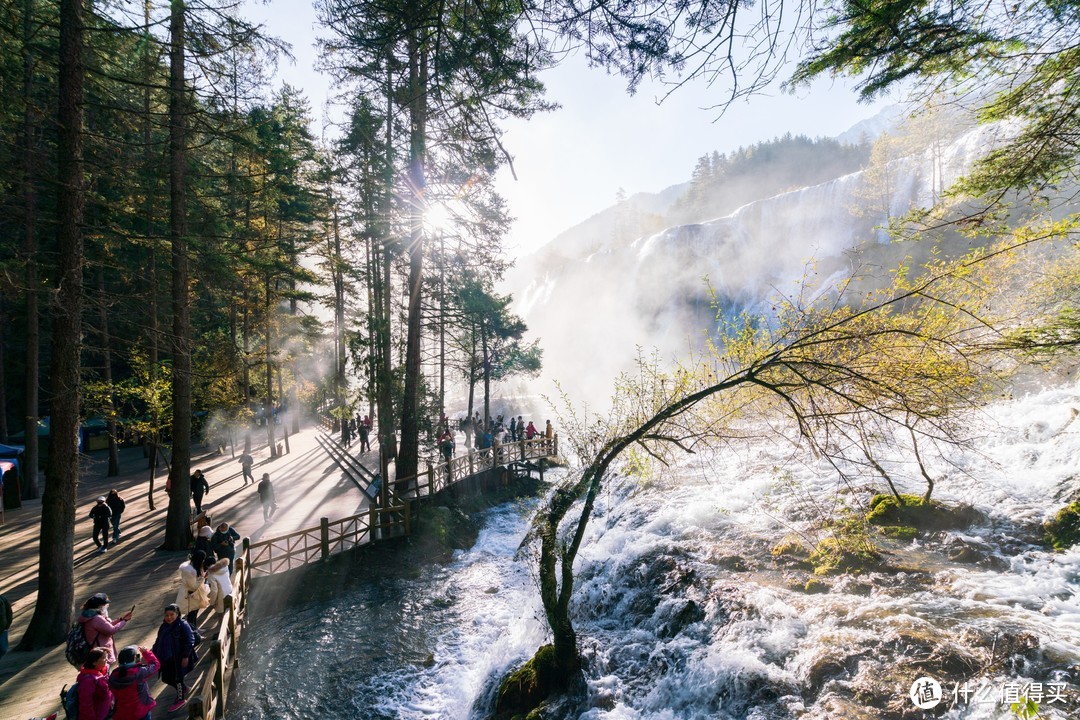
x=106 y=375
x=408 y=454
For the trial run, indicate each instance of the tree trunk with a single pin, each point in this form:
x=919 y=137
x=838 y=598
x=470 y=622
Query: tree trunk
x=408 y=454
x=284 y=425
x=33 y=321
x=177 y=528
x=3 y=378
x=55 y=596
x=269 y=406
x=106 y=360
x=149 y=171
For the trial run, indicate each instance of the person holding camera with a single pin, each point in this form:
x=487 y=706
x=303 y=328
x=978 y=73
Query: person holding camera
x=223 y=543
x=129 y=686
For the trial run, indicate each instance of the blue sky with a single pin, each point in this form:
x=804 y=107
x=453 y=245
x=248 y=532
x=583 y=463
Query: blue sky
x=570 y=163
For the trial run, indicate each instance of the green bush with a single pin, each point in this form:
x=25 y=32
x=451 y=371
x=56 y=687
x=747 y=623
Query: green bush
x=1063 y=531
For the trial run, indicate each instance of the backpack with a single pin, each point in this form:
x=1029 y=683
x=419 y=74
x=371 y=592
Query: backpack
x=69 y=697
x=77 y=648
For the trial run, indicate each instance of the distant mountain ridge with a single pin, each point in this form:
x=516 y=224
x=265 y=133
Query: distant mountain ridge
x=594 y=294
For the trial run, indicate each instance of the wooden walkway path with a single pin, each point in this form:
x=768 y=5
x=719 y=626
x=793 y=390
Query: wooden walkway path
x=308 y=485
x=324 y=498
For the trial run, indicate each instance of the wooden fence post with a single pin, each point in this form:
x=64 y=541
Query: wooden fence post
x=324 y=529
x=219 y=675
x=230 y=610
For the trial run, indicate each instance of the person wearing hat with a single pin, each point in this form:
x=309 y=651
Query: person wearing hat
x=175 y=647
x=98 y=628
x=202 y=541
x=101 y=515
x=223 y=543
x=129 y=686
x=95 y=697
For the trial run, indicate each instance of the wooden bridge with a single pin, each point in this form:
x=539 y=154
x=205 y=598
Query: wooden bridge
x=403 y=499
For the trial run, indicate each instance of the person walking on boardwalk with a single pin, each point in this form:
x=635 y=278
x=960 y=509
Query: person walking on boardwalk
x=129 y=686
x=5 y=624
x=98 y=628
x=95 y=697
x=266 y=496
x=531 y=431
x=363 y=429
x=199 y=487
x=246 y=461
x=223 y=543
x=116 y=505
x=101 y=515
x=175 y=649
x=194 y=593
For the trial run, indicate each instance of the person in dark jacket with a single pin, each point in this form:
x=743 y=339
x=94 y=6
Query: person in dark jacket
x=116 y=505
x=266 y=495
x=95 y=697
x=199 y=487
x=101 y=515
x=246 y=461
x=129 y=686
x=175 y=648
x=223 y=543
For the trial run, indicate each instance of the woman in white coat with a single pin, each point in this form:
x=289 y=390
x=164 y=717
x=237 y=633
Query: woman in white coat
x=194 y=593
x=220 y=583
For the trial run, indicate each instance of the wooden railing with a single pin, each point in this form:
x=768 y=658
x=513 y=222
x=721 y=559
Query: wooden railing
x=309 y=545
x=209 y=695
x=302 y=547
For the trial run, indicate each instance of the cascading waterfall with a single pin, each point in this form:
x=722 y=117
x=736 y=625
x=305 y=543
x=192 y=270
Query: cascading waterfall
x=684 y=614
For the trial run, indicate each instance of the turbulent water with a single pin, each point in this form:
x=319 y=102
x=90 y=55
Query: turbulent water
x=684 y=613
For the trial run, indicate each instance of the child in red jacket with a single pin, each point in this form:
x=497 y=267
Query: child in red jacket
x=95 y=697
x=128 y=683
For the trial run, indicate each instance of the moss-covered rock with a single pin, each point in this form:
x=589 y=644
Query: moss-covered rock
x=1063 y=531
x=899 y=532
x=523 y=691
x=914 y=512
x=838 y=554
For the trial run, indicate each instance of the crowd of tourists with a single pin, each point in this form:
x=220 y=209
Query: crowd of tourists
x=113 y=683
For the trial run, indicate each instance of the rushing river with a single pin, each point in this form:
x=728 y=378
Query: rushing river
x=684 y=613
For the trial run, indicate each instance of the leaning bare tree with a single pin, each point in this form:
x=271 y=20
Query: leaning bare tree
x=907 y=358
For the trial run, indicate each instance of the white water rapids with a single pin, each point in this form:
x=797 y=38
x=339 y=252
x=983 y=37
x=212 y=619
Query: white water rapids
x=683 y=613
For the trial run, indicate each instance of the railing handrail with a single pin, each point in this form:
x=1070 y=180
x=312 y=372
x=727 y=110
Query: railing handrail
x=208 y=697
x=318 y=543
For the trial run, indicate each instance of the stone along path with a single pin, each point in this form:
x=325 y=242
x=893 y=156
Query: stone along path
x=308 y=486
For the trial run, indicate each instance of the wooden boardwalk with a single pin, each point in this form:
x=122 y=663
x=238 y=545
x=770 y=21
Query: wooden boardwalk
x=308 y=486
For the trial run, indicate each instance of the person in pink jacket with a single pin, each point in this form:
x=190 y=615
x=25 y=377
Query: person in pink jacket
x=128 y=683
x=95 y=697
x=98 y=627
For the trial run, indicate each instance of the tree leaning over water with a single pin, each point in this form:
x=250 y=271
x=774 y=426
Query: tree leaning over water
x=910 y=359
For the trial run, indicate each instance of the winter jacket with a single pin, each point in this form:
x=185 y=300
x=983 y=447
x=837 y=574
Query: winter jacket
x=266 y=492
x=95 y=697
x=128 y=683
x=199 y=486
x=99 y=631
x=101 y=514
x=175 y=642
x=203 y=541
x=224 y=543
x=116 y=505
x=194 y=593
x=220 y=584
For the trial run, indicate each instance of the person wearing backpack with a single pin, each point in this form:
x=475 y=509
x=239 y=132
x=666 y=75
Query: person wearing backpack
x=97 y=627
x=128 y=683
x=95 y=697
x=175 y=646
